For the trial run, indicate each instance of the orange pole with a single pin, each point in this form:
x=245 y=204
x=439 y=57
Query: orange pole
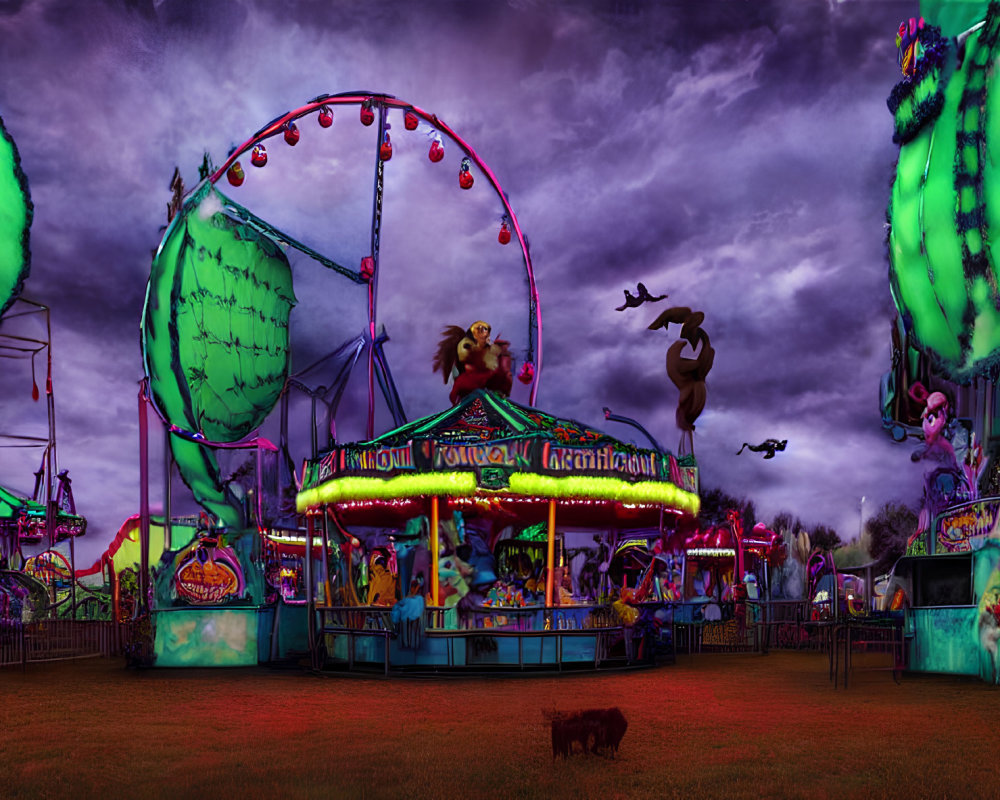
x=434 y=552
x=550 y=556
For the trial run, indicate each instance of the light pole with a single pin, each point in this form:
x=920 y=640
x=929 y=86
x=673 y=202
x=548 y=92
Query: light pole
x=861 y=519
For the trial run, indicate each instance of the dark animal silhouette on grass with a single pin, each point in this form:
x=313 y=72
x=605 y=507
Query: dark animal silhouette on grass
x=641 y=296
x=595 y=729
x=768 y=446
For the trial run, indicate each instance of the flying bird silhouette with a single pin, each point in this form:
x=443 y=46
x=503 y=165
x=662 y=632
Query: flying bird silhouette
x=642 y=296
x=768 y=446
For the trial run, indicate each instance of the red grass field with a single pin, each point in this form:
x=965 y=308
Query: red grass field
x=729 y=726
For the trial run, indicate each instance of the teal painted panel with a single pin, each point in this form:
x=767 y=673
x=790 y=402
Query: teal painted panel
x=945 y=640
x=206 y=637
x=293 y=630
x=265 y=624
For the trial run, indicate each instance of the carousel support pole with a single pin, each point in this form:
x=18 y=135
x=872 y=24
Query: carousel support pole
x=434 y=546
x=143 y=501
x=325 y=548
x=550 y=556
x=311 y=620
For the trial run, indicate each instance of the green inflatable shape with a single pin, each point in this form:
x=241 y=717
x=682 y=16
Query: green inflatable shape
x=945 y=204
x=16 y=212
x=215 y=337
x=953 y=16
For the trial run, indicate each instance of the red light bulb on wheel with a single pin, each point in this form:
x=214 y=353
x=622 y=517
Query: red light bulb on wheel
x=235 y=174
x=367 y=115
x=465 y=178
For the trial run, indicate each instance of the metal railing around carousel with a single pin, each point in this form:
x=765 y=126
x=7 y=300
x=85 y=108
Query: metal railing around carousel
x=540 y=634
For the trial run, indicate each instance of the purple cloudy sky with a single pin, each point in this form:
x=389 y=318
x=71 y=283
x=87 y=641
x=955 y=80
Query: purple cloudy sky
x=736 y=155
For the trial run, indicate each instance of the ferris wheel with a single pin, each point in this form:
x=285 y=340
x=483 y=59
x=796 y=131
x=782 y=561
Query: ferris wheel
x=215 y=323
x=374 y=111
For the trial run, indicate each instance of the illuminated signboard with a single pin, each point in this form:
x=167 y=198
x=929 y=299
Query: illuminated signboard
x=210 y=575
x=600 y=460
x=515 y=453
x=963 y=529
x=377 y=459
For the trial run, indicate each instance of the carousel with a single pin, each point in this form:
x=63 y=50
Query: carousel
x=523 y=511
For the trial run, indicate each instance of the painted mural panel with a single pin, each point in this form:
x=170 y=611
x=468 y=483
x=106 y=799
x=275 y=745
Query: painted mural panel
x=196 y=637
x=960 y=530
x=943 y=640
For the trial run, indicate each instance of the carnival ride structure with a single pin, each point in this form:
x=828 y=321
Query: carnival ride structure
x=523 y=510
x=215 y=337
x=944 y=208
x=31 y=528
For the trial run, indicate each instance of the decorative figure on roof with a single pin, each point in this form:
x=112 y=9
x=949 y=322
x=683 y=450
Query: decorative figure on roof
x=641 y=296
x=768 y=447
x=908 y=45
x=474 y=360
x=954 y=475
x=687 y=374
x=937 y=426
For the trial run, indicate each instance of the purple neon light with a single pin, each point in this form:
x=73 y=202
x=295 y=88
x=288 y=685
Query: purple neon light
x=277 y=126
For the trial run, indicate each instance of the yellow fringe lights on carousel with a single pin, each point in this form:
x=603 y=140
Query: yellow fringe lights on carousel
x=463 y=484
x=340 y=490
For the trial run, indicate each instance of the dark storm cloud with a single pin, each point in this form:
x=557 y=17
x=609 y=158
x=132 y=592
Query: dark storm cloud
x=735 y=155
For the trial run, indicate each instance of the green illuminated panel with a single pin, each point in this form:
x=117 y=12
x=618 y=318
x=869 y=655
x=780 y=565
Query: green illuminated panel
x=206 y=638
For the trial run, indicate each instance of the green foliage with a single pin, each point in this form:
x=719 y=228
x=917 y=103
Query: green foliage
x=888 y=531
x=851 y=555
x=716 y=502
x=825 y=538
x=785 y=524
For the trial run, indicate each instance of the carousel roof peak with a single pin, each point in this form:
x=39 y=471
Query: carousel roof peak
x=484 y=415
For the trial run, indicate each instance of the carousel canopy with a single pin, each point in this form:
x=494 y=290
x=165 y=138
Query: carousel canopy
x=493 y=454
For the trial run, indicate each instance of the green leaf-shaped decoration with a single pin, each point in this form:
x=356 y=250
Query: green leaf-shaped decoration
x=215 y=335
x=16 y=212
x=944 y=215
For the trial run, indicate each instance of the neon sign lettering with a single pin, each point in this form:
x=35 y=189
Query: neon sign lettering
x=382 y=459
x=603 y=459
x=501 y=454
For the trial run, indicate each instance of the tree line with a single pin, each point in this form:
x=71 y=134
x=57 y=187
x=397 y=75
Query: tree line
x=882 y=542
